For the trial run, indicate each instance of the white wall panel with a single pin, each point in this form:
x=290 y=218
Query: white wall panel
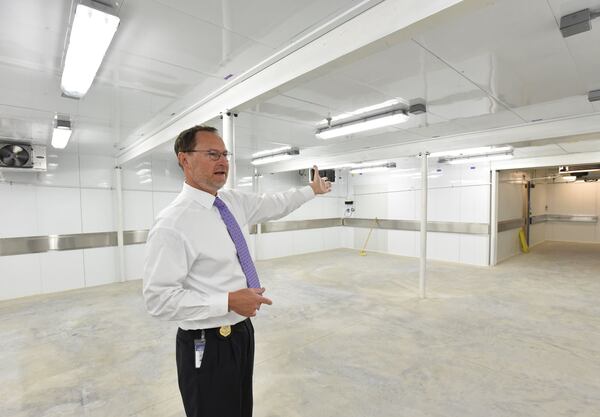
x=575 y=199
x=58 y=210
x=537 y=233
x=97 y=210
x=377 y=242
x=134 y=261
x=510 y=201
x=508 y=244
x=403 y=205
x=474 y=204
x=62 y=270
x=137 y=175
x=63 y=170
x=137 y=210
x=347 y=237
x=100 y=266
x=97 y=171
x=306 y=241
x=569 y=232
x=443 y=205
x=21 y=276
x=371 y=201
x=403 y=242
x=572 y=198
x=443 y=246
x=473 y=174
x=273 y=245
x=18 y=211
x=474 y=249
x=160 y=200
x=332 y=238
x=166 y=175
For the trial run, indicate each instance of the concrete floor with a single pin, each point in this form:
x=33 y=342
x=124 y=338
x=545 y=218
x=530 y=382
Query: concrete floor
x=346 y=336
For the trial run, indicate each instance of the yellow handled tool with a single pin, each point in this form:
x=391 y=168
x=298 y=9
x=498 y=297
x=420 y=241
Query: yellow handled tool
x=524 y=245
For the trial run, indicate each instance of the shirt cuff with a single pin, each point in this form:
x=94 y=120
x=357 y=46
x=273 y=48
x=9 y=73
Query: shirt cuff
x=307 y=192
x=218 y=304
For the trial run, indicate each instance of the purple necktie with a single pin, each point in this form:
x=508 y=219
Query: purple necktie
x=240 y=244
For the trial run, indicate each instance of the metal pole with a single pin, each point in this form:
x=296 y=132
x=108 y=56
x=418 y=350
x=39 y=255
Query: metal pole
x=229 y=139
x=424 y=190
x=120 y=241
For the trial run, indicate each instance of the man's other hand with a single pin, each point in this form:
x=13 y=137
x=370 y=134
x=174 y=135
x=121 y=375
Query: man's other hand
x=246 y=301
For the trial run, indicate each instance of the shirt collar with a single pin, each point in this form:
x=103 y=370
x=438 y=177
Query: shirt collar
x=205 y=199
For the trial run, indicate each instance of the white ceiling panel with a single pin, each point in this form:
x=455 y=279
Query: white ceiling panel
x=590 y=145
x=584 y=46
x=271 y=22
x=542 y=150
x=32 y=33
x=154 y=30
x=512 y=49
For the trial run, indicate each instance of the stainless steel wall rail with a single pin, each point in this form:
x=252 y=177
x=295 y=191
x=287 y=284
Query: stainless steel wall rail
x=547 y=218
x=414 y=225
x=287 y=226
x=38 y=244
x=511 y=224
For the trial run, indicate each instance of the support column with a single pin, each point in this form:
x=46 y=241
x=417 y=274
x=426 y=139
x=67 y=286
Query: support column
x=423 y=254
x=120 y=241
x=229 y=139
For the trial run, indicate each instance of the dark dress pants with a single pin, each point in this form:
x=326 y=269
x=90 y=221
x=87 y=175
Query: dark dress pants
x=222 y=386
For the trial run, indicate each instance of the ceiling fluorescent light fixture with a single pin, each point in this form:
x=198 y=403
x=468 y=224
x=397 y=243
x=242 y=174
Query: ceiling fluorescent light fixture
x=362 y=111
x=61 y=132
x=274 y=155
x=369 y=118
x=91 y=34
x=483 y=150
x=373 y=168
x=479 y=158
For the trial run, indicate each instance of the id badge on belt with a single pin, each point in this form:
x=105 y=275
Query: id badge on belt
x=199 y=345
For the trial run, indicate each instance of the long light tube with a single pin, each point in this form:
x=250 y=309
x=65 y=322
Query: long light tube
x=362 y=125
x=480 y=158
x=472 y=151
x=363 y=110
x=271 y=151
x=61 y=133
x=274 y=155
x=373 y=168
x=91 y=34
x=272 y=158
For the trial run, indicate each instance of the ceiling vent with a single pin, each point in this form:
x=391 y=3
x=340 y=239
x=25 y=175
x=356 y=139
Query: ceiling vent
x=22 y=156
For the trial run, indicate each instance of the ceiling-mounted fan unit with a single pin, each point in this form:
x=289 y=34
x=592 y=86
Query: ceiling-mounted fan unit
x=22 y=156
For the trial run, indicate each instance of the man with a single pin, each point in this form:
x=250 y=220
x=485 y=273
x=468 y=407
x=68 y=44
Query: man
x=198 y=271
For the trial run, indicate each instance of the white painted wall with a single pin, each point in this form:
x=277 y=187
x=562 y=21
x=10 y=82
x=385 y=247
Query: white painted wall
x=331 y=205
x=510 y=206
x=457 y=193
x=578 y=198
x=76 y=195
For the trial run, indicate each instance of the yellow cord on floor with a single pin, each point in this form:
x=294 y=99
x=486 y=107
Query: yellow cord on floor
x=363 y=252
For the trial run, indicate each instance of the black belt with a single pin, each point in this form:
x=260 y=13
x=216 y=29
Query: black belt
x=223 y=332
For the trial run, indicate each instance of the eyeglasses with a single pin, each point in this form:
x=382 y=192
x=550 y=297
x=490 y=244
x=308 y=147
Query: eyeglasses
x=213 y=154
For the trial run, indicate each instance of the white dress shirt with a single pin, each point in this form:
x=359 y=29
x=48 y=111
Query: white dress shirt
x=191 y=262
